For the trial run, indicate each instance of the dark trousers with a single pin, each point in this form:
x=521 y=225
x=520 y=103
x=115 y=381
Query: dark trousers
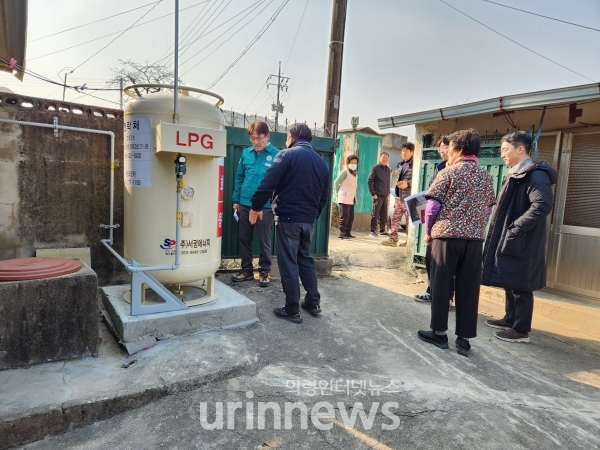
x=293 y=259
x=346 y=218
x=519 y=309
x=428 y=268
x=263 y=233
x=380 y=211
x=460 y=259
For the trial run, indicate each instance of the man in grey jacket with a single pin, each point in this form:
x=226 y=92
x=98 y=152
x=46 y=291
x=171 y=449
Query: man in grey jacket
x=514 y=254
x=379 y=186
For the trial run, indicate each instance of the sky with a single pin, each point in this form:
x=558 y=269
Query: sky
x=400 y=56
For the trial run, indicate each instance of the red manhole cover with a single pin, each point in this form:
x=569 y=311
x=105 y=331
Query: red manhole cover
x=35 y=268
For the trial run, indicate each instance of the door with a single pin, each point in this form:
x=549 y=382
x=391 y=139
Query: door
x=574 y=263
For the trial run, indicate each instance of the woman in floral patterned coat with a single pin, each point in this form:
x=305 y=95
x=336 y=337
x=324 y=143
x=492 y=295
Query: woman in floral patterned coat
x=459 y=203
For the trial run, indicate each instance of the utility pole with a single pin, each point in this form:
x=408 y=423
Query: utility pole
x=281 y=85
x=121 y=93
x=65 y=86
x=334 y=74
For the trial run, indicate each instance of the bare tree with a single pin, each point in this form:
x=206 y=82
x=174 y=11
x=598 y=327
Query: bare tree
x=132 y=72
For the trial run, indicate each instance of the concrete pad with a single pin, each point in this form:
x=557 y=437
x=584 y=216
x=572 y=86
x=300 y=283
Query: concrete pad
x=230 y=309
x=52 y=398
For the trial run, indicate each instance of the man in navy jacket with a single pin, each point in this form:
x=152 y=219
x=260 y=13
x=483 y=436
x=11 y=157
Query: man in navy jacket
x=299 y=181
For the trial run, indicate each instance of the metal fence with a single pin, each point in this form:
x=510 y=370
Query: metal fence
x=237 y=140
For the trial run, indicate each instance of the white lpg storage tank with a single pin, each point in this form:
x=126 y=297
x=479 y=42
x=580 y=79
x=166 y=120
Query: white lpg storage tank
x=152 y=142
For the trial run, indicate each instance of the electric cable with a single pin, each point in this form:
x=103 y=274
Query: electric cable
x=257 y=94
x=515 y=42
x=204 y=27
x=186 y=42
x=252 y=42
x=193 y=23
x=540 y=15
x=249 y=46
x=296 y=37
x=144 y=15
x=90 y=23
x=222 y=43
x=116 y=32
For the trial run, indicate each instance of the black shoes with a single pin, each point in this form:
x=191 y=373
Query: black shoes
x=499 y=324
x=244 y=275
x=265 y=279
x=384 y=233
x=281 y=313
x=312 y=310
x=440 y=341
x=462 y=346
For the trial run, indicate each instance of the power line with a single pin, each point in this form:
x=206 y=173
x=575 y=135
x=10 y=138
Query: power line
x=144 y=15
x=296 y=37
x=249 y=46
x=515 y=42
x=116 y=32
x=193 y=23
x=90 y=23
x=222 y=34
x=540 y=15
x=189 y=42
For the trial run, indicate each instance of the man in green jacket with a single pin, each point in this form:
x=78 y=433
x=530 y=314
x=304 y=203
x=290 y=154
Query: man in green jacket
x=253 y=164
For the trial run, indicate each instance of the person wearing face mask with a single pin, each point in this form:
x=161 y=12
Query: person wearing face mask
x=345 y=187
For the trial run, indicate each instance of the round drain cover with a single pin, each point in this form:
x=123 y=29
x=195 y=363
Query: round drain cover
x=35 y=268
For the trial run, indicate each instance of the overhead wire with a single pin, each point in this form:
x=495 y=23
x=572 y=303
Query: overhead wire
x=515 y=42
x=200 y=22
x=540 y=15
x=189 y=42
x=186 y=31
x=132 y=25
x=262 y=31
x=90 y=23
x=296 y=37
x=204 y=27
x=116 y=32
x=222 y=34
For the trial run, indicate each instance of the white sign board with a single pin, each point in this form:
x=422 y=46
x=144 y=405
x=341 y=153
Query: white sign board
x=137 y=157
x=175 y=138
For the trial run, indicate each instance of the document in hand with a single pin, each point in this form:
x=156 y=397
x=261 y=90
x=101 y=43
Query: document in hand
x=416 y=207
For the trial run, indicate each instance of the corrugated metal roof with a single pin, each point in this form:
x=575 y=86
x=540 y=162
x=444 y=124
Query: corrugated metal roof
x=509 y=103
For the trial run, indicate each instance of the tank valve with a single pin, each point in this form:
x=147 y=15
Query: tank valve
x=180 y=166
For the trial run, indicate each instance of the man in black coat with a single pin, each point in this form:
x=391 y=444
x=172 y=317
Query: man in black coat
x=379 y=183
x=300 y=181
x=514 y=254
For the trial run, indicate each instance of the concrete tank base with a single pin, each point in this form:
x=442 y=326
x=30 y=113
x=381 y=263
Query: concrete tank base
x=229 y=310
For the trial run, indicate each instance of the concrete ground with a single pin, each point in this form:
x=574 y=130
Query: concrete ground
x=360 y=360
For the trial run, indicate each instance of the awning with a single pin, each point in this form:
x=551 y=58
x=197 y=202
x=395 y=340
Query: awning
x=13 y=34
x=571 y=94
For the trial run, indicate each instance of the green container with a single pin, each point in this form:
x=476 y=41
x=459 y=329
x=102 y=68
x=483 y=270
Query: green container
x=237 y=140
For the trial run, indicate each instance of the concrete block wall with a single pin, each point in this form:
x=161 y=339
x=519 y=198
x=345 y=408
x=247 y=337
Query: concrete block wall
x=54 y=190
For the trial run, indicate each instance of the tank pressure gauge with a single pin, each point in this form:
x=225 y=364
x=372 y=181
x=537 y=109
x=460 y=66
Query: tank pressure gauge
x=187 y=192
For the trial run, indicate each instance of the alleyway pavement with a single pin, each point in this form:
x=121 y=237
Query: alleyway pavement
x=359 y=368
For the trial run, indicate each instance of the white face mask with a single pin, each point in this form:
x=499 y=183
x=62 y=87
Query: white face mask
x=352 y=166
